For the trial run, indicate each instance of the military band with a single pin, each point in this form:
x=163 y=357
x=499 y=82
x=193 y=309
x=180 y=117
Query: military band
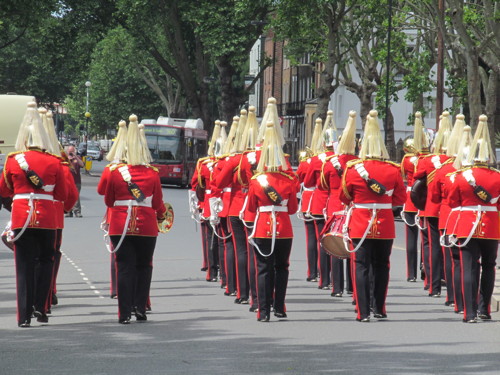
x=242 y=195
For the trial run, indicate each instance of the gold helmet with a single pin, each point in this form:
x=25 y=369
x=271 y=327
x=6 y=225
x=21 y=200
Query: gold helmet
x=347 y=142
x=239 y=131
x=118 y=150
x=421 y=139
x=481 y=151
x=464 y=147
x=452 y=148
x=272 y=156
x=444 y=130
x=31 y=132
x=215 y=135
x=249 y=137
x=373 y=145
x=316 y=142
x=329 y=134
x=271 y=114
x=408 y=145
x=137 y=148
x=221 y=140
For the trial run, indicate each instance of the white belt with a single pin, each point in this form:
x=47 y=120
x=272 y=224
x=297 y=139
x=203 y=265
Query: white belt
x=208 y=191
x=132 y=202
x=33 y=196
x=273 y=209
x=479 y=208
x=374 y=206
x=309 y=189
x=226 y=190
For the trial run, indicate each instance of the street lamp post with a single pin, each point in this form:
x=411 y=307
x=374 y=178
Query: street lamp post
x=87 y=116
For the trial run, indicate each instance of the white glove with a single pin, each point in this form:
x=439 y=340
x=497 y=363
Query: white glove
x=216 y=206
x=193 y=201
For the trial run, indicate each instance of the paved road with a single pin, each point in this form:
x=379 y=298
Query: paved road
x=195 y=329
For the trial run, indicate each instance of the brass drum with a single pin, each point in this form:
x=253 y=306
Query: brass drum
x=333 y=241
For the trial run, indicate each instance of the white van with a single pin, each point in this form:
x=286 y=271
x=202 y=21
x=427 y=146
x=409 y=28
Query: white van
x=12 y=108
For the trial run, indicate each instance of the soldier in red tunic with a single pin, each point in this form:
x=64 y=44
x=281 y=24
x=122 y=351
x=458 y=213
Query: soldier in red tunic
x=272 y=197
x=304 y=213
x=426 y=169
x=116 y=155
x=135 y=201
x=332 y=170
x=315 y=180
x=476 y=190
x=33 y=178
x=372 y=185
x=439 y=195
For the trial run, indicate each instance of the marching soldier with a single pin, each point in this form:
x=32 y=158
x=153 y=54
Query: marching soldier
x=439 y=195
x=372 y=185
x=272 y=197
x=305 y=206
x=33 y=178
x=313 y=179
x=116 y=155
x=59 y=206
x=135 y=200
x=426 y=169
x=476 y=190
x=332 y=170
x=413 y=148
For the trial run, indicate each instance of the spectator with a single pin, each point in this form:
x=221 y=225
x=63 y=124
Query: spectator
x=76 y=165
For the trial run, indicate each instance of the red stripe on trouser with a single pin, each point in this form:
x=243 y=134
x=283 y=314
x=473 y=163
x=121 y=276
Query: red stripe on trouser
x=462 y=286
x=307 y=251
x=429 y=255
x=354 y=281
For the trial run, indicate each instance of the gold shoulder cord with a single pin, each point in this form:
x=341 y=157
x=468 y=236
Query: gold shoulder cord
x=198 y=170
x=322 y=178
x=344 y=187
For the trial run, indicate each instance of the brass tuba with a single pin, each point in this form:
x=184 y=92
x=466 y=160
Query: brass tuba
x=168 y=221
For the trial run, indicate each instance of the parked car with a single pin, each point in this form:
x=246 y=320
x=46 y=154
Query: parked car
x=91 y=150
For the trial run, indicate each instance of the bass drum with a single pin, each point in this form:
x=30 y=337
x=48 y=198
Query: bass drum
x=333 y=241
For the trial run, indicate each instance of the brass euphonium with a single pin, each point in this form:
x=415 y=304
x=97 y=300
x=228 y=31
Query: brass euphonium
x=168 y=221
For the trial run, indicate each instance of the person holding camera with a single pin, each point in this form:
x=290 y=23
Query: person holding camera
x=76 y=163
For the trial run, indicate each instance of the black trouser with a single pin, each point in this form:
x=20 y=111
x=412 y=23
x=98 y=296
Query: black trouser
x=448 y=272
x=478 y=257
x=375 y=254
x=311 y=249
x=457 y=279
x=34 y=256
x=325 y=259
x=433 y=257
x=241 y=256
x=134 y=263
x=212 y=246
x=226 y=257
x=411 y=246
x=55 y=269
x=252 y=272
x=204 y=249
x=112 y=284
x=272 y=267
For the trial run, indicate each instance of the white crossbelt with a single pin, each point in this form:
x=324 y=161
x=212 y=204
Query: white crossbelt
x=132 y=202
x=226 y=190
x=479 y=208
x=33 y=196
x=374 y=206
x=309 y=189
x=208 y=191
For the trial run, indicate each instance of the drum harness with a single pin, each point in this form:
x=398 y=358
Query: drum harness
x=479 y=210
x=37 y=182
x=379 y=189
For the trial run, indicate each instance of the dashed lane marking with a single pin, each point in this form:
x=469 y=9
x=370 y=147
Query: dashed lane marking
x=92 y=287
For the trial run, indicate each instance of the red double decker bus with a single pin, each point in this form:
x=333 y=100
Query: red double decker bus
x=176 y=145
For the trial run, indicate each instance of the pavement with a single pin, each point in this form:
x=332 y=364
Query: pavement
x=195 y=329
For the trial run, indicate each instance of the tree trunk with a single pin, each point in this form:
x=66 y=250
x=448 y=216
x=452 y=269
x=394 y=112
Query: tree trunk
x=229 y=100
x=390 y=143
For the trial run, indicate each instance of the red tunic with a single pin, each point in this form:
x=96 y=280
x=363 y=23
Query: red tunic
x=223 y=192
x=333 y=177
x=315 y=178
x=286 y=186
x=426 y=168
x=143 y=221
x=71 y=196
x=302 y=170
x=230 y=176
x=462 y=195
x=439 y=191
x=14 y=181
x=407 y=170
x=354 y=189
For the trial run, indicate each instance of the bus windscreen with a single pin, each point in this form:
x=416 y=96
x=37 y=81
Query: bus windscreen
x=164 y=149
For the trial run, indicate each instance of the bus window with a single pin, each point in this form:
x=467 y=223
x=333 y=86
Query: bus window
x=164 y=149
